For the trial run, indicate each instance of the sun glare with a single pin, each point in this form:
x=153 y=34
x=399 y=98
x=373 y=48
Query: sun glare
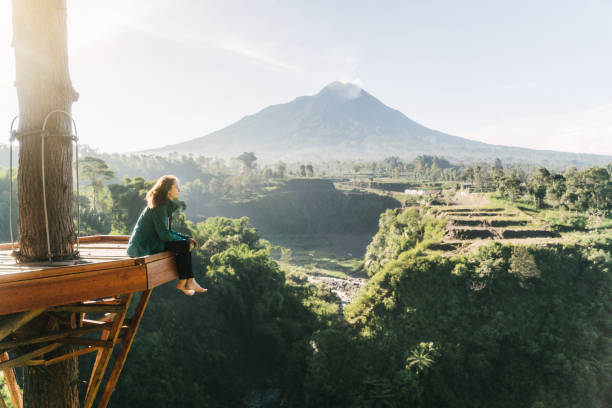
x=94 y=20
x=90 y=22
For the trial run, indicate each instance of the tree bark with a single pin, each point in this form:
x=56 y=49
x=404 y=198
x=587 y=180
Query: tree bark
x=43 y=85
x=55 y=386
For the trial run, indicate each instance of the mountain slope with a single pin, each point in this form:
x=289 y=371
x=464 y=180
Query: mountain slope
x=343 y=121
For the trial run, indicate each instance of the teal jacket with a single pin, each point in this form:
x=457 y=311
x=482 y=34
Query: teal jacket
x=153 y=229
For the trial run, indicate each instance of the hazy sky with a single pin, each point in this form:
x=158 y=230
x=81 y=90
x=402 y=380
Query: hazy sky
x=533 y=73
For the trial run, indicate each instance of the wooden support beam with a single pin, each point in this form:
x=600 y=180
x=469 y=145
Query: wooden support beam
x=11 y=383
x=109 y=317
x=49 y=337
x=80 y=341
x=70 y=355
x=61 y=358
x=95 y=323
x=105 y=301
x=125 y=348
x=23 y=359
x=104 y=355
x=13 y=323
x=89 y=308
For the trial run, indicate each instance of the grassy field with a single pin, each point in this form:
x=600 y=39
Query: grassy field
x=335 y=255
x=572 y=225
x=473 y=220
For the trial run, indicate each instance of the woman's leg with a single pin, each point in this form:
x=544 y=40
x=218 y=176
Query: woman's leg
x=186 y=282
x=182 y=257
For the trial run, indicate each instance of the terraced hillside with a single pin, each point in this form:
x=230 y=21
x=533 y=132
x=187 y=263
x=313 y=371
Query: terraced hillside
x=472 y=221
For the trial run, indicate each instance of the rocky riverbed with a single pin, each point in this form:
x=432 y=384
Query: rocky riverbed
x=345 y=289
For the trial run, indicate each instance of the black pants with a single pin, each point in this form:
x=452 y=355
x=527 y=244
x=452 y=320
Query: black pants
x=183 y=257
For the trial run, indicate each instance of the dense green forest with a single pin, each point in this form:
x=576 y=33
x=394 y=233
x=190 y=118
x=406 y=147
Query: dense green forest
x=240 y=187
x=505 y=326
x=250 y=331
x=502 y=326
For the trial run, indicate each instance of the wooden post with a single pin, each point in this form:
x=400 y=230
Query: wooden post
x=104 y=355
x=125 y=348
x=11 y=383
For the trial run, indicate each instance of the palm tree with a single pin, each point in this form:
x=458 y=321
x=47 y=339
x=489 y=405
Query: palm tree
x=420 y=358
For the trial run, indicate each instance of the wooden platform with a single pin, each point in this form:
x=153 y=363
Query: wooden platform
x=97 y=290
x=104 y=270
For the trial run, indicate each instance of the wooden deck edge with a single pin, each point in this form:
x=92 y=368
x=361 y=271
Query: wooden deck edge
x=69 y=270
x=156 y=257
x=161 y=271
x=64 y=284
x=104 y=238
x=61 y=290
x=84 y=240
x=60 y=270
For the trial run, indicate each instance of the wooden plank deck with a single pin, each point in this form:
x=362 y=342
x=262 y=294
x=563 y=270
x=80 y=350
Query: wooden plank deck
x=103 y=270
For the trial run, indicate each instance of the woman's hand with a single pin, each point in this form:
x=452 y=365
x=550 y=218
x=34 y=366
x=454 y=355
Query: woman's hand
x=192 y=244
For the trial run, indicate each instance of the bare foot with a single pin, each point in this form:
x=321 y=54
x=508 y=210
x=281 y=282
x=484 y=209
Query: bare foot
x=193 y=285
x=182 y=286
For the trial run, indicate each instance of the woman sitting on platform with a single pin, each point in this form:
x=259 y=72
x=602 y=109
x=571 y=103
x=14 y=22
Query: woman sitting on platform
x=153 y=232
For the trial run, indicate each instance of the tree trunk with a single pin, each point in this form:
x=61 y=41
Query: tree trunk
x=55 y=386
x=43 y=85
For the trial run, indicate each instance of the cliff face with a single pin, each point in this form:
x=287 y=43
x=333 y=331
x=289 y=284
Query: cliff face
x=305 y=207
x=309 y=185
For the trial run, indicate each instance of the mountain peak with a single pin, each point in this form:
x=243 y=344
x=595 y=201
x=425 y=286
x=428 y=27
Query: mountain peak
x=343 y=90
x=344 y=122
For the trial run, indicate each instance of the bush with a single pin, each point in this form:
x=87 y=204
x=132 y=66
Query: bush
x=401 y=231
x=565 y=221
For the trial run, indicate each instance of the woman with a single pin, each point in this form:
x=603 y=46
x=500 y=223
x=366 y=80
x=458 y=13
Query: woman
x=153 y=233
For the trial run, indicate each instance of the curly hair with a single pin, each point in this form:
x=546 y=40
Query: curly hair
x=158 y=194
